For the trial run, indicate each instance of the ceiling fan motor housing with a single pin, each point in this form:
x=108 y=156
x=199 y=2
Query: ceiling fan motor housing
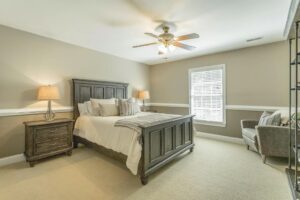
x=166 y=37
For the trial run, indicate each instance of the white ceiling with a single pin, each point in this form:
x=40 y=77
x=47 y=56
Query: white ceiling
x=114 y=26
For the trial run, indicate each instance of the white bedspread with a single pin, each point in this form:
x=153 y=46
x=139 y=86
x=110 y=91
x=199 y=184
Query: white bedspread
x=101 y=130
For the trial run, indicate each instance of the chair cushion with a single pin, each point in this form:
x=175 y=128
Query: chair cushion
x=249 y=132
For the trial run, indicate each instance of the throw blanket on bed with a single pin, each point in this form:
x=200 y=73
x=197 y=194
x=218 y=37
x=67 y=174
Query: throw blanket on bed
x=139 y=122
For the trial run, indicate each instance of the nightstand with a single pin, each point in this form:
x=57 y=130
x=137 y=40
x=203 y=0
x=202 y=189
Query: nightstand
x=47 y=138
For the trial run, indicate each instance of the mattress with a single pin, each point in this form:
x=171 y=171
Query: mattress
x=101 y=130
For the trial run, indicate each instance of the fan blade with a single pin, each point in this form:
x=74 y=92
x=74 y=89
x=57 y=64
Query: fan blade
x=187 y=37
x=151 y=35
x=142 y=45
x=183 y=46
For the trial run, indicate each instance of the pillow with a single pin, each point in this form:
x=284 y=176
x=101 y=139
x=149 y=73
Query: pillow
x=89 y=107
x=269 y=119
x=85 y=108
x=109 y=110
x=96 y=102
x=137 y=107
x=284 y=116
x=128 y=107
x=82 y=109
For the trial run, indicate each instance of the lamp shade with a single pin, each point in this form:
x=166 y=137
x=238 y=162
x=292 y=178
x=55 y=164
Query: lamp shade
x=48 y=93
x=144 y=94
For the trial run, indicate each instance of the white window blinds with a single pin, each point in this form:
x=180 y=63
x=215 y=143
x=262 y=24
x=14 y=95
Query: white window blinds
x=207 y=94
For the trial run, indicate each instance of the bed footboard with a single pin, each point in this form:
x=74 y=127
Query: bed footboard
x=164 y=142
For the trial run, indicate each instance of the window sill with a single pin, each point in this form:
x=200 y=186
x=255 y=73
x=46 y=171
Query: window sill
x=207 y=123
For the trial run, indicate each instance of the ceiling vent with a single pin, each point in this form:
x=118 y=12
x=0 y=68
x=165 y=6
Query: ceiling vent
x=254 y=39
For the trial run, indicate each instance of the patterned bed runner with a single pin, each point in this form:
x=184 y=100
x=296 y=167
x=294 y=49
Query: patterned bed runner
x=139 y=122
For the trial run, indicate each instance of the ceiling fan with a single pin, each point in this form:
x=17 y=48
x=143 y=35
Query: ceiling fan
x=169 y=41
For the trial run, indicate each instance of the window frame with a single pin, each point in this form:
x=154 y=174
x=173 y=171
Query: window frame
x=208 y=68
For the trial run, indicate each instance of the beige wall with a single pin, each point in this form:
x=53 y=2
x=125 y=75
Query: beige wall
x=255 y=76
x=28 y=61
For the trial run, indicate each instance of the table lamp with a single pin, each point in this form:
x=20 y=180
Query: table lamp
x=144 y=94
x=48 y=93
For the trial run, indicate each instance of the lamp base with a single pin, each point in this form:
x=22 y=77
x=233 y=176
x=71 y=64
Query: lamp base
x=144 y=109
x=49 y=115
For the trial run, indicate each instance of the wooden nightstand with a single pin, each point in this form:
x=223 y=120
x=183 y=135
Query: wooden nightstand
x=47 y=138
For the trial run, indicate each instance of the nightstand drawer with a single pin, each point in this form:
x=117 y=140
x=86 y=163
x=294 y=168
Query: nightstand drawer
x=50 y=133
x=53 y=145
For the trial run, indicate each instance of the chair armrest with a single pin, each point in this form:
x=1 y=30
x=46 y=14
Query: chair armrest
x=273 y=140
x=249 y=123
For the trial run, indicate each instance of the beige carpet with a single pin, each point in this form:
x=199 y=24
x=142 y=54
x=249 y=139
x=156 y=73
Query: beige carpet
x=214 y=171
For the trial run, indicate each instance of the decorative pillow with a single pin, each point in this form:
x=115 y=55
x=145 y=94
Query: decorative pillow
x=85 y=108
x=128 y=107
x=284 y=113
x=269 y=119
x=96 y=102
x=82 y=109
x=109 y=110
x=89 y=107
x=137 y=107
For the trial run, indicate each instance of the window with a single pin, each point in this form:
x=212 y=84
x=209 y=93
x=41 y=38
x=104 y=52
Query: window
x=207 y=94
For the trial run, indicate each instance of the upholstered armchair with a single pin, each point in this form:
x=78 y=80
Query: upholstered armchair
x=249 y=133
x=267 y=140
x=273 y=141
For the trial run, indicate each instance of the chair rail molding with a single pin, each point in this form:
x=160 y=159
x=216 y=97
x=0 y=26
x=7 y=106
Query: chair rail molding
x=255 y=108
x=177 y=105
x=228 y=107
x=32 y=111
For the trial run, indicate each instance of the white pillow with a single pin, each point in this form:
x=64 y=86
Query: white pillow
x=284 y=116
x=85 y=108
x=109 y=110
x=82 y=109
x=89 y=107
x=96 y=102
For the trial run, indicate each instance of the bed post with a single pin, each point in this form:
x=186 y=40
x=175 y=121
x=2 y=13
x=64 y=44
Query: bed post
x=75 y=142
x=144 y=180
x=143 y=177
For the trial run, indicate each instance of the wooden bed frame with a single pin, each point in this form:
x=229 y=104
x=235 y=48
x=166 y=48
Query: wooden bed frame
x=160 y=143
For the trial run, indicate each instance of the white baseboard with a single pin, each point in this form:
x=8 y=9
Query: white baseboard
x=12 y=159
x=220 y=137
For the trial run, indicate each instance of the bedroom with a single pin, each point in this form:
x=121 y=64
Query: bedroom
x=84 y=50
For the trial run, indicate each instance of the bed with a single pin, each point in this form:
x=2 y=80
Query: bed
x=158 y=144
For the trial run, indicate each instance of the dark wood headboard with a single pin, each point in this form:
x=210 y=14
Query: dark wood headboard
x=83 y=90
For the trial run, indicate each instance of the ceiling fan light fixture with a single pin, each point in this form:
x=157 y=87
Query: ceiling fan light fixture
x=166 y=49
x=162 y=48
x=171 y=48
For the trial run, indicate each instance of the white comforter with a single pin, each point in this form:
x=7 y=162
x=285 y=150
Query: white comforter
x=101 y=130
